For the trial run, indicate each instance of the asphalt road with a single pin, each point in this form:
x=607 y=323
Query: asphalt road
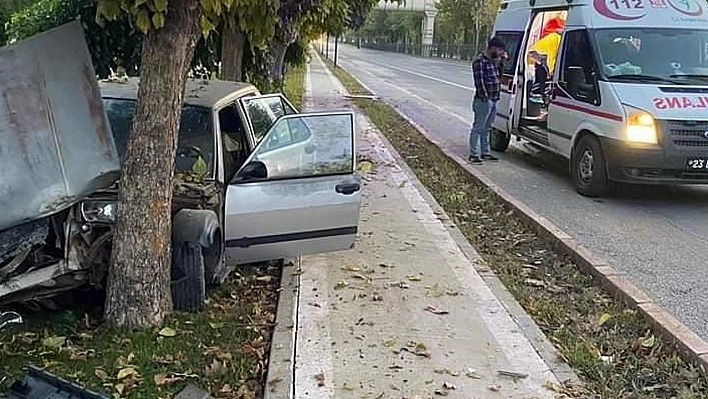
x=657 y=236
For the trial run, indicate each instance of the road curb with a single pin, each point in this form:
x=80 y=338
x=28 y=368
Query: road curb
x=280 y=382
x=693 y=347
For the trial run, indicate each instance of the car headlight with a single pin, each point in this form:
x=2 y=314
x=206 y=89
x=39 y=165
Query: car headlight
x=99 y=211
x=641 y=128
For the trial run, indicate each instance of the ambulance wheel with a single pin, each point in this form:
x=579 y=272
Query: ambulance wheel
x=498 y=140
x=589 y=168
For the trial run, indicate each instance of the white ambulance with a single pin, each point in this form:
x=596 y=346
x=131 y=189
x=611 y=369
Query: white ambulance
x=624 y=95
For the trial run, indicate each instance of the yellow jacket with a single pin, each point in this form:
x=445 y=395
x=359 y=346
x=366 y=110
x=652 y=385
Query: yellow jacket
x=549 y=45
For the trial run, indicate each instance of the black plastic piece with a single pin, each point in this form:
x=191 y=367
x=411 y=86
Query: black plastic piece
x=40 y=384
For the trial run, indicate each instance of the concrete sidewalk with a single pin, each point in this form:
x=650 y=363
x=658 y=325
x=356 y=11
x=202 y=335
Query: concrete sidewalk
x=407 y=313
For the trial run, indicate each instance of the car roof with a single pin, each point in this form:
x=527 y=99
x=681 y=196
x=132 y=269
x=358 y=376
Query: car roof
x=200 y=93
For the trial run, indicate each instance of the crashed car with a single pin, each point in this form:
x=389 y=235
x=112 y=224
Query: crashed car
x=255 y=179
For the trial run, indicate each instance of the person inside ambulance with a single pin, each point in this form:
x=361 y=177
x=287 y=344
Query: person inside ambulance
x=549 y=42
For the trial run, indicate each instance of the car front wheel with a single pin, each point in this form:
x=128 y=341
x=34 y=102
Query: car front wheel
x=188 y=282
x=589 y=170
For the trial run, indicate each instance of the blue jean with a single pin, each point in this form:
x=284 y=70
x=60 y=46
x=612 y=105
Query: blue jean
x=484 y=113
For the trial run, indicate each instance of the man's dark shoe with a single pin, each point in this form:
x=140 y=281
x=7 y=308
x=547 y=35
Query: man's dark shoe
x=490 y=157
x=474 y=160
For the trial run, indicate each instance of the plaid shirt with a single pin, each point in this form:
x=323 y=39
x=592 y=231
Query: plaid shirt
x=486 y=78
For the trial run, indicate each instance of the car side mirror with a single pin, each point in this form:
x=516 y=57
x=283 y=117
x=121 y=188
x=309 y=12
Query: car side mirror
x=254 y=170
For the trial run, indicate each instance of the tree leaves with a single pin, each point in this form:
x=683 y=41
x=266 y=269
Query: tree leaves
x=142 y=19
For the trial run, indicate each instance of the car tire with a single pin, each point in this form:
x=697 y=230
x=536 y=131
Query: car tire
x=589 y=168
x=189 y=286
x=498 y=140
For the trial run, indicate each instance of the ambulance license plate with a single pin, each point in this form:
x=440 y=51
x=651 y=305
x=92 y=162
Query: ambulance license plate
x=697 y=164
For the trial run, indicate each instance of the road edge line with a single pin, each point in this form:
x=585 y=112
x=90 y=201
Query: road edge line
x=671 y=329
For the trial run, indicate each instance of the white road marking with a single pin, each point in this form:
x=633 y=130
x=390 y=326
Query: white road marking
x=421 y=99
x=422 y=75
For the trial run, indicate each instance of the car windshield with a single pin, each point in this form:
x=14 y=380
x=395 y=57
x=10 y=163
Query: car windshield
x=196 y=139
x=654 y=54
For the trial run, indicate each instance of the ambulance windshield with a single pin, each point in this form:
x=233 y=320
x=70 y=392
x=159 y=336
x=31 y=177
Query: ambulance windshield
x=648 y=55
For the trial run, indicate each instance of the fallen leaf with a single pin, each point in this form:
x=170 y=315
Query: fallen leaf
x=120 y=388
x=265 y=279
x=535 y=283
x=168 y=332
x=347 y=386
x=495 y=388
x=360 y=276
x=389 y=343
x=216 y=367
x=365 y=167
x=348 y=268
x=54 y=342
x=385 y=265
x=441 y=392
x=395 y=367
x=449 y=386
x=434 y=310
x=125 y=373
x=414 y=277
x=160 y=379
x=604 y=319
x=226 y=389
x=512 y=374
x=341 y=285
x=102 y=375
x=275 y=380
x=320 y=378
x=649 y=342
x=216 y=326
x=472 y=373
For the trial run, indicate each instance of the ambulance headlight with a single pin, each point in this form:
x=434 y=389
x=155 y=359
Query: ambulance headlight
x=641 y=128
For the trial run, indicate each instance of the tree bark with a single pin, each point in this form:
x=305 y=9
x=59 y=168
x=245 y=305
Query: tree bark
x=138 y=291
x=232 y=45
x=277 y=49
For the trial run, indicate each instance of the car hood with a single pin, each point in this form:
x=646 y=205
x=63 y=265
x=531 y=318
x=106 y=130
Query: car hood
x=667 y=102
x=56 y=145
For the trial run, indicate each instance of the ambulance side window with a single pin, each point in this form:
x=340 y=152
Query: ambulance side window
x=512 y=40
x=579 y=73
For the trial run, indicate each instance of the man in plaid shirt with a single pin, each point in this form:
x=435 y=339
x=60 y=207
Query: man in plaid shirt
x=487 y=86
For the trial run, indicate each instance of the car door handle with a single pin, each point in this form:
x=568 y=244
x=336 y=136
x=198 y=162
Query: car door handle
x=348 y=188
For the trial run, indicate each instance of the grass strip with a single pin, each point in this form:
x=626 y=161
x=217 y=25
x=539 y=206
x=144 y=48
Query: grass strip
x=611 y=347
x=222 y=349
x=294 y=86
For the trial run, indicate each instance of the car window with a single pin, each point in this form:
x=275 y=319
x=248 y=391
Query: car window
x=512 y=40
x=195 y=151
x=308 y=145
x=290 y=132
x=264 y=111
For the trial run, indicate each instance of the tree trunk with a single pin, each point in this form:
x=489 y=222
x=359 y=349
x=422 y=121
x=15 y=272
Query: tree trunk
x=138 y=291
x=232 y=45
x=277 y=50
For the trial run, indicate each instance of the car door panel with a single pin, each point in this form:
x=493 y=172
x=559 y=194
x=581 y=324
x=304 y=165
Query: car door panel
x=308 y=203
x=287 y=218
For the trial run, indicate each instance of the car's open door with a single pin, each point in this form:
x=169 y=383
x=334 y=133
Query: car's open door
x=298 y=192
